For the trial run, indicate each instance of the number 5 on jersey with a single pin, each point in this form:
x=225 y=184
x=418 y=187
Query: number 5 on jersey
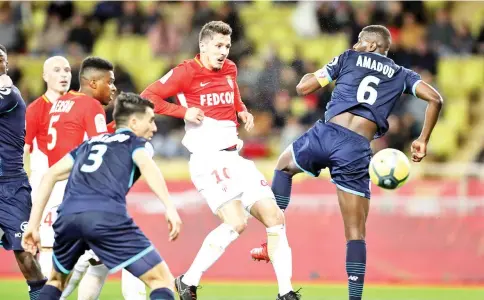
x=96 y=156
x=52 y=132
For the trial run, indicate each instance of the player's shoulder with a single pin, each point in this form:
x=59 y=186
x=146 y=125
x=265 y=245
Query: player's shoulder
x=38 y=103
x=230 y=66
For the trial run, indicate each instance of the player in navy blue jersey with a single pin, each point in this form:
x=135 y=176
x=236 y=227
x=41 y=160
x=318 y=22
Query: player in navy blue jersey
x=15 y=201
x=93 y=214
x=368 y=84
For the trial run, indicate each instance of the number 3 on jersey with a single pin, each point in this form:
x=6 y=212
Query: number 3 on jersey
x=52 y=132
x=96 y=156
x=365 y=89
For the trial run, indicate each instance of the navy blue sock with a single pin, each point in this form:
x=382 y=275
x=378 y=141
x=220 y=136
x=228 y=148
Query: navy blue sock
x=281 y=187
x=35 y=287
x=162 y=294
x=49 y=292
x=356 y=268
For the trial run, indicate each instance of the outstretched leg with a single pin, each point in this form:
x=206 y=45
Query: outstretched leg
x=234 y=222
x=278 y=250
x=286 y=168
x=355 y=210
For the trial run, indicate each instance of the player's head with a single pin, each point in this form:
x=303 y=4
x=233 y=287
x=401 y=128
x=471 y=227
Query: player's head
x=136 y=113
x=215 y=44
x=3 y=60
x=57 y=74
x=374 y=38
x=97 y=79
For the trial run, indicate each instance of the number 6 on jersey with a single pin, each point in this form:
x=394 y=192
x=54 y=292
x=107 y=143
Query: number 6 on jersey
x=365 y=88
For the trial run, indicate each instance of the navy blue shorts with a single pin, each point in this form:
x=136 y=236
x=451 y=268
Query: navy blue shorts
x=115 y=239
x=346 y=154
x=15 y=207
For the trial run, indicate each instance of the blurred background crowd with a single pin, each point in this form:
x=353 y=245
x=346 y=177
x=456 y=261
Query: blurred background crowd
x=274 y=45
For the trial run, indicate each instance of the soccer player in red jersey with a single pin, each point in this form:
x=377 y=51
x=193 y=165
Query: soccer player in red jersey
x=209 y=101
x=74 y=117
x=57 y=75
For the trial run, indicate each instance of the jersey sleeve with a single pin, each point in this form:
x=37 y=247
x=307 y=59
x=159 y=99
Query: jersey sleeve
x=169 y=85
x=412 y=79
x=142 y=145
x=95 y=120
x=239 y=105
x=73 y=152
x=8 y=99
x=331 y=70
x=30 y=124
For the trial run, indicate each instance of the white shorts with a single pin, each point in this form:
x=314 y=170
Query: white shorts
x=223 y=176
x=50 y=214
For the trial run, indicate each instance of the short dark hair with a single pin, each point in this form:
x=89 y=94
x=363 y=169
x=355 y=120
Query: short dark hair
x=95 y=63
x=2 y=47
x=127 y=104
x=213 y=27
x=383 y=32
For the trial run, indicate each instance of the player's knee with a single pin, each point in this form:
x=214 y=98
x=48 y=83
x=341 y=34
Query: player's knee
x=158 y=277
x=286 y=164
x=239 y=225
x=273 y=217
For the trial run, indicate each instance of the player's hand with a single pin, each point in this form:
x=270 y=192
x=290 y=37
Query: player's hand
x=419 y=150
x=5 y=81
x=31 y=240
x=194 y=115
x=174 y=223
x=248 y=119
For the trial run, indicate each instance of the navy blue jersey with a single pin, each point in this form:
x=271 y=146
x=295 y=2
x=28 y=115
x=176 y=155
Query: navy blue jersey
x=12 y=133
x=103 y=173
x=367 y=85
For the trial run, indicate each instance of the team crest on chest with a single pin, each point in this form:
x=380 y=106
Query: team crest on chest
x=230 y=81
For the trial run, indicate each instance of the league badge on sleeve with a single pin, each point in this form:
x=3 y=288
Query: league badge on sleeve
x=230 y=81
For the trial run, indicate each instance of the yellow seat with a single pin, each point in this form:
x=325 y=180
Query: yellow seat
x=32 y=73
x=133 y=48
x=472 y=74
x=105 y=48
x=456 y=114
x=444 y=140
x=145 y=72
x=85 y=7
x=448 y=75
x=110 y=29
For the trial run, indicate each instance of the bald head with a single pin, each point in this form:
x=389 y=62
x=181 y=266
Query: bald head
x=57 y=74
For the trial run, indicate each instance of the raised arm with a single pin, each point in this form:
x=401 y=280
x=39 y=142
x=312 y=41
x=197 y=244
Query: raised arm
x=170 y=85
x=312 y=82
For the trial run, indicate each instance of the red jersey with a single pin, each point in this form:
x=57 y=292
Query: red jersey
x=36 y=136
x=37 y=123
x=215 y=92
x=73 y=118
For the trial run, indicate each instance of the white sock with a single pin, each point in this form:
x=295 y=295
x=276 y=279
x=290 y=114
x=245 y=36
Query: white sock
x=212 y=249
x=45 y=262
x=92 y=283
x=79 y=270
x=132 y=287
x=281 y=257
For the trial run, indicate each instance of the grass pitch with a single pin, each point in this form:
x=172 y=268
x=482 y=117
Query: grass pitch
x=17 y=290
